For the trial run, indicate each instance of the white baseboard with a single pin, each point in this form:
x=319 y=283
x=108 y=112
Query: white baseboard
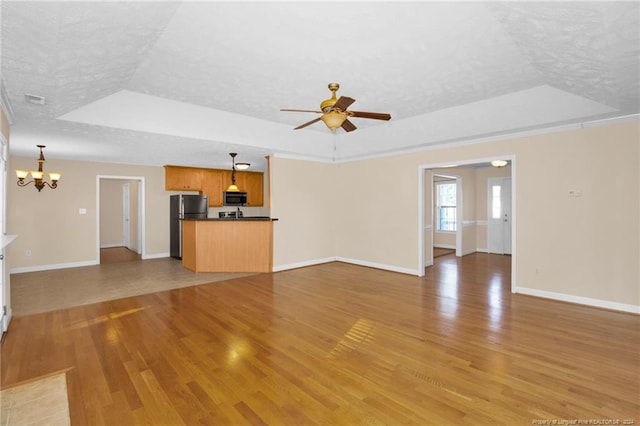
x=598 y=303
x=445 y=246
x=111 y=245
x=155 y=255
x=74 y=264
x=37 y=268
x=303 y=264
x=376 y=265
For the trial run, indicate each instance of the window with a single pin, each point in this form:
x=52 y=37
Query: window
x=496 y=202
x=446 y=206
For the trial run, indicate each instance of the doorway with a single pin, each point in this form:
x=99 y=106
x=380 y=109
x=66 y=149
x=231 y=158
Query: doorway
x=121 y=219
x=474 y=226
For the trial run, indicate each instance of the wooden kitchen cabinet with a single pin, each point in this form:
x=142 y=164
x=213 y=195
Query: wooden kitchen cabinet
x=254 y=185
x=213 y=182
x=249 y=182
x=182 y=178
x=227 y=245
x=212 y=186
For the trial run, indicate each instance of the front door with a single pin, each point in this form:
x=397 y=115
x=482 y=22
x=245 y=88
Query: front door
x=499 y=215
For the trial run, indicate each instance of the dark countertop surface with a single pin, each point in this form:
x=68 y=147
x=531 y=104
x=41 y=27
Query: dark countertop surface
x=241 y=219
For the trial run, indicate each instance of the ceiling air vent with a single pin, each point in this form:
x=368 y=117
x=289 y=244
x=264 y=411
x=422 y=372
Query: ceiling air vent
x=34 y=99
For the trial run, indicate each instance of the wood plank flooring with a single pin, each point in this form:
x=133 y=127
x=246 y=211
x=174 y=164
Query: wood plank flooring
x=117 y=254
x=337 y=344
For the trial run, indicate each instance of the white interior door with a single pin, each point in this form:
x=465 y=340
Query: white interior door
x=499 y=215
x=126 y=226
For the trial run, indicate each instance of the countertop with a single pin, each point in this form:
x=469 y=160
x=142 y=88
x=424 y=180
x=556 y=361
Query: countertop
x=233 y=219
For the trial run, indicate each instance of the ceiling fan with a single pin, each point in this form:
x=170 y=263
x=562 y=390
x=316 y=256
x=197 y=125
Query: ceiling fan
x=335 y=114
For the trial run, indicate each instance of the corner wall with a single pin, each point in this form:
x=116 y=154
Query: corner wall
x=48 y=223
x=303 y=198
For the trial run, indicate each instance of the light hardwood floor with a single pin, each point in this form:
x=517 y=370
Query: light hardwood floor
x=337 y=344
x=117 y=254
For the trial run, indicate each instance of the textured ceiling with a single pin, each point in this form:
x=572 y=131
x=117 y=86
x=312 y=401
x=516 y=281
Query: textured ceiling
x=188 y=82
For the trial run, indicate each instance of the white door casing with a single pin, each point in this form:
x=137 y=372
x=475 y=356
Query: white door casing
x=126 y=226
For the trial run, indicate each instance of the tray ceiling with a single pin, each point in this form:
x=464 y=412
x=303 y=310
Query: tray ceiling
x=188 y=82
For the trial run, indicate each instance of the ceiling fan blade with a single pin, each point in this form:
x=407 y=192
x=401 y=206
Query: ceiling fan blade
x=373 y=115
x=343 y=103
x=348 y=126
x=308 y=123
x=301 y=110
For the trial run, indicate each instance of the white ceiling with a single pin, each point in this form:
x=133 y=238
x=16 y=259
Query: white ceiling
x=188 y=82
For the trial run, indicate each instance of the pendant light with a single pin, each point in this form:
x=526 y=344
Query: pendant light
x=240 y=166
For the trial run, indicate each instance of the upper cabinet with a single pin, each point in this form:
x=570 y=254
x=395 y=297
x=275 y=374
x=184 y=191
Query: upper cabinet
x=250 y=182
x=213 y=182
x=254 y=186
x=182 y=178
x=212 y=186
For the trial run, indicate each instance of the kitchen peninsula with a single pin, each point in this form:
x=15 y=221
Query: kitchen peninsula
x=228 y=245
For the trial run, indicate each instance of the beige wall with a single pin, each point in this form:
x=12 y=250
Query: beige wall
x=48 y=222
x=303 y=199
x=378 y=204
x=577 y=246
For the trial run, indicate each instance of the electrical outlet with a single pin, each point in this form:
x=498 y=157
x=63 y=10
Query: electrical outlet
x=27 y=253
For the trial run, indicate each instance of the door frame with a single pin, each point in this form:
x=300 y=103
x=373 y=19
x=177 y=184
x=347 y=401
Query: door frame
x=126 y=212
x=423 y=168
x=141 y=212
x=5 y=291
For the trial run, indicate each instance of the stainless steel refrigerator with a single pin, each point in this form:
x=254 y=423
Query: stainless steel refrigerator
x=184 y=207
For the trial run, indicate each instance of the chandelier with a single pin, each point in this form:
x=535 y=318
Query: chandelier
x=38 y=175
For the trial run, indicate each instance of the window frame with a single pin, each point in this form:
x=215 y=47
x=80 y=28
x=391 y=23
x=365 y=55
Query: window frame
x=438 y=207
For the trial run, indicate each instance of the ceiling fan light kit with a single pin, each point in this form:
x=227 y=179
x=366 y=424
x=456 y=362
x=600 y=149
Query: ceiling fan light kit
x=334 y=112
x=333 y=119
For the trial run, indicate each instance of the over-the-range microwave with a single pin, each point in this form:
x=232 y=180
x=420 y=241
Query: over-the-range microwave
x=234 y=198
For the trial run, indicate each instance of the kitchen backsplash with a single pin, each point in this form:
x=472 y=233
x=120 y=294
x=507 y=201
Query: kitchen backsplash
x=246 y=211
